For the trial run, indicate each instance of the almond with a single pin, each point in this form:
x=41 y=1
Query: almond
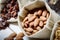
x=20 y=36
x=35 y=13
x=26 y=24
x=47 y=15
x=39 y=12
x=11 y=36
x=28 y=33
x=38 y=28
x=29 y=15
x=41 y=24
x=42 y=18
x=31 y=24
x=32 y=18
x=36 y=22
x=44 y=22
x=44 y=13
x=26 y=18
x=34 y=31
x=29 y=29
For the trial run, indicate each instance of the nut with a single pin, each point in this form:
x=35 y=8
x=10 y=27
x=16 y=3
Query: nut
x=29 y=15
x=36 y=22
x=39 y=12
x=42 y=18
x=44 y=22
x=35 y=13
x=32 y=18
x=29 y=29
x=20 y=35
x=41 y=24
x=38 y=28
x=8 y=39
x=47 y=15
x=25 y=19
x=34 y=31
x=28 y=33
x=44 y=13
x=11 y=36
x=31 y=24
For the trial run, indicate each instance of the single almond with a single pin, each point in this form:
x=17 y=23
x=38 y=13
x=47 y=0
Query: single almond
x=47 y=15
x=32 y=18
x=44 y=13
x=26 y=18
x=35 y=13
x=31 y=24
x=42 y=18
x=34 y=31
x=36 y=22
x=38 y=28
x=19 y=36
x=28 y=33
x=39 y=12
x=41 y=24
x=29 y=15
x=25 y=25
x=29 y=29
x=11 y=36
x=44 y=22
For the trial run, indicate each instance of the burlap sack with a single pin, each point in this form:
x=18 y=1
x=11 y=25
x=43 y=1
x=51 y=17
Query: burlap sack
x=46 y=31
x=54 y=29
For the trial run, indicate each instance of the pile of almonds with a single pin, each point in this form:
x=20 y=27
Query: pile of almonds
x=34 y=22
x=3 y=24
x=18 y=36
x=10 y=9
x=57 y=34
